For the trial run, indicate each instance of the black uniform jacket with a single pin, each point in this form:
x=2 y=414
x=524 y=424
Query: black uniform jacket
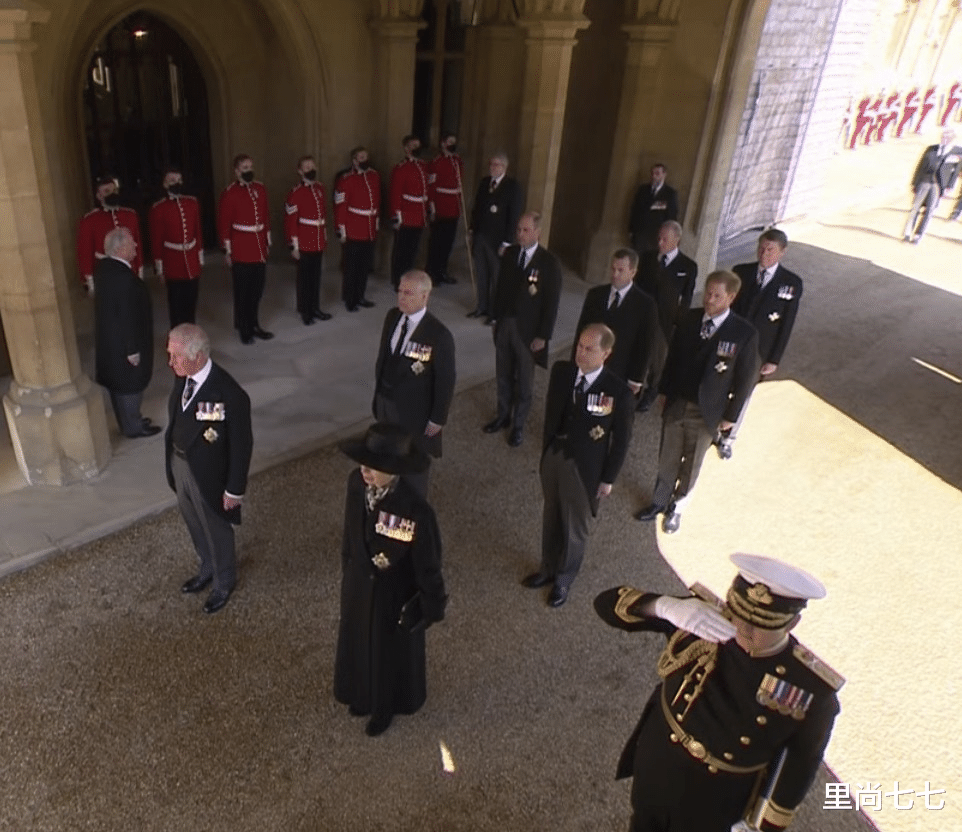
x=495 y=214
x=420 y=381
x=388 y=556
x=943 y=170
x=595 y=432
x=742 y=711
x=125 y=326
x=671 y=286
x=772 y=310
x=726 y=364
x=219 y=439
x=649 y=211
x=529 y=295
x=635 y=324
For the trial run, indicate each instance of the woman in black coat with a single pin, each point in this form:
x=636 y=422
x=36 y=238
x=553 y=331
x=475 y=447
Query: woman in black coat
x=391 y=588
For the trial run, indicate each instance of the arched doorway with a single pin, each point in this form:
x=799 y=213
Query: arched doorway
x=145 y=107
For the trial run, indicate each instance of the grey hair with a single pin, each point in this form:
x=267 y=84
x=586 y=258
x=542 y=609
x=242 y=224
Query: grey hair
x=193 y=340
x=114 y=241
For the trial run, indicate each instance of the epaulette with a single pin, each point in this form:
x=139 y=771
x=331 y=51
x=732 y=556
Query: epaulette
x=92 y=211
x=831 y=677
x=162 y=199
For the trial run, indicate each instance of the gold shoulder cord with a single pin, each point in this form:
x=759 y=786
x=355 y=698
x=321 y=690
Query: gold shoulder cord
x=702 y=653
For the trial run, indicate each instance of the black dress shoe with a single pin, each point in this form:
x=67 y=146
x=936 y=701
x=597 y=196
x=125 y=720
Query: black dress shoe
x=535 y=580
x=216 y=601
x=247 y=339
x=356 y=711
x=489 y=321
x=263 y=334
x=352 y=309
x=195 y=584
x=367 y=304
x=321 y=315
x=649 y=512
x=557 y=596
x=515 y=438
x=146 y=430
x=378 y=725
x=308 y=319
x=495 y=425
x=475 y=313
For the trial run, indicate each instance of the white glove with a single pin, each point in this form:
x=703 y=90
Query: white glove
x=159 y=269
x=89 y=283
x=695 y=616
x=200 y=256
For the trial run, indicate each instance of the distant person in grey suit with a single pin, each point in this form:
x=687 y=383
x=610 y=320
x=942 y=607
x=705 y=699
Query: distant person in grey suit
x=936 y=173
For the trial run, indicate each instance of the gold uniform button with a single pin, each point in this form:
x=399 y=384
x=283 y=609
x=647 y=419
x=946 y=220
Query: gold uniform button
x=673 y=737
x=728 y=755
x=712 y=770
x=761 y=719
x=688 y=697
x=745 y=740
x=780 y=670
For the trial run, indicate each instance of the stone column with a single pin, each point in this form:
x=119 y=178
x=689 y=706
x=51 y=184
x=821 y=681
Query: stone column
x=56 y=415
x=551 y=28
x=395 y=39
x=640 y=89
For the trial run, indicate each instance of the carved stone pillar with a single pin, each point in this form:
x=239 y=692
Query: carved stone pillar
x=550 y=28
x=55 y=413
x=648 y=36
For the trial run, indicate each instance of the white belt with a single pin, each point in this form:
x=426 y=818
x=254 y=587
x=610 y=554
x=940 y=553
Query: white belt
x=252 y=228
x=454 y=191
x=364 y=212
x=180 y=246
x=100 y=256
x=410 y=198
x=304 y=221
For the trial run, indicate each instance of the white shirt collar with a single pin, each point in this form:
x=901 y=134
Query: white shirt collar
x=121 y=260
x=620 y=292
x=413 y=321
x=529 y=253
x=769 y=274
x=718 y=320
x=590 y=378
x=670 y=255
x=199 y=378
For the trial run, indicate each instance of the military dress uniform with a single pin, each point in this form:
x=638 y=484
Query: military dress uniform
x=305 y=226
x=445 y=174
x=357 y=200
x=409 y=209
x=726 y=735
x=94 y=227
x=244 y=228
x=177 y=246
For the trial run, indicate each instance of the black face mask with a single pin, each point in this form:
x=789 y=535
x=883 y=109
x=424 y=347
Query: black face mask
x=112 y=200
x=452 y=147
x=310 y=175
x=176 y=189
x=248 y=176
x=416 y=153
x=363 y=165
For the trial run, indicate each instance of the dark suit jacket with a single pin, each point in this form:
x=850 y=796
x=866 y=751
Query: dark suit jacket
x=420 y=388
x=649 y=212
x=772 y=310
x=943 y=170
x=125 y=326
x=494 y=216
x=218 y=452
x=726 y=364
x=672 y=288
x=635 y=324
x=534 y=312
x=597 y=442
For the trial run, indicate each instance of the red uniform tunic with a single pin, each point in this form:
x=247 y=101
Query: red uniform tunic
x=176 y=240
x=96 y=225
x=357 y=200
x=409 y=193
x=244 y=223
x=305 y=217
x=444 y=185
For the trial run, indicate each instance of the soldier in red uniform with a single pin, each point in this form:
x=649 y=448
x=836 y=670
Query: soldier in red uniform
x=357 y=200
x=177 y=246
x=445 y=174
x=409 y=208
x=244 y=229
x=96 y=224
x=305 y=226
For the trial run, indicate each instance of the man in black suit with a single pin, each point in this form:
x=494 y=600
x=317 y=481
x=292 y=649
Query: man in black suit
x=711 y=368
x=768 y=300
x=654 y=203
x=208 y=450
x=587 y=428
x=124 y=333
x=494 y=218
x=525 y=308
x=668 y=276
x=936 y=173
x=630 y=314
x=414 y=373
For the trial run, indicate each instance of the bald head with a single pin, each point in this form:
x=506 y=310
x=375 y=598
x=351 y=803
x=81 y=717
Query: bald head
x=413 y=291
x=120 y=243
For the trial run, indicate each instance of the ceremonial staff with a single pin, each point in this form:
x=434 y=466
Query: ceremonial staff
x=467 y=231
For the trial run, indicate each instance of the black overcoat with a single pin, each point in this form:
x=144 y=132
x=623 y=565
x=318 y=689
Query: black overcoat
x=125 y=326
x=635 y=324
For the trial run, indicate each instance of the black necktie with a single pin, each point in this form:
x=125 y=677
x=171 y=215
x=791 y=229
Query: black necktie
x=664 y=261
x=761 y=277
x=615 y=300
x=706 y=329
x=188 y=392
x=522 y=257
x=402 y=336
x=579 y=390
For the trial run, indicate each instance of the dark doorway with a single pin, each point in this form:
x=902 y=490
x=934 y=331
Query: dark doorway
x=145 y=107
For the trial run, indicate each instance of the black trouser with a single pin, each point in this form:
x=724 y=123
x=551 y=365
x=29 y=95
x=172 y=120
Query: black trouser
x=514 y=372
x=182 y=301
x=440 y=243
x=404 y=252
x=357 y=262
x=249 y=279
x=309 y=282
